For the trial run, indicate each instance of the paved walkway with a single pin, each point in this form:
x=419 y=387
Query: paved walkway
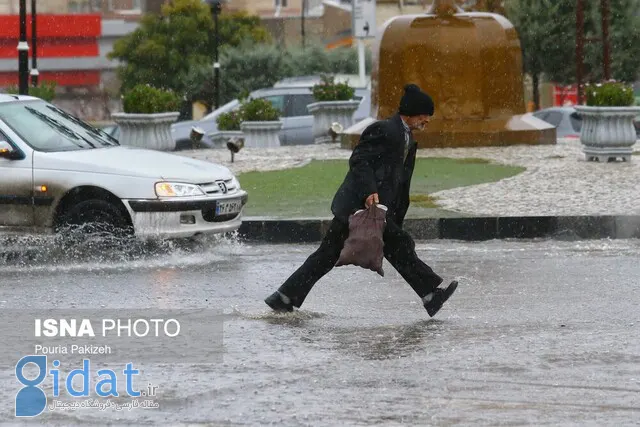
x=558 y=181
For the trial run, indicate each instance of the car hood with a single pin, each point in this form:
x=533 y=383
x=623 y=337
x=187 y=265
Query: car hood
x=137 y=162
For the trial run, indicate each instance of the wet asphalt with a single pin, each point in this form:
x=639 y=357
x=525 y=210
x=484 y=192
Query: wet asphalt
x=538 y=333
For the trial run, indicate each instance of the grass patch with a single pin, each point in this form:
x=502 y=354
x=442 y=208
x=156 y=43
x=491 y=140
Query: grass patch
x=423 y=201
x=473 y=161
x=309 y=190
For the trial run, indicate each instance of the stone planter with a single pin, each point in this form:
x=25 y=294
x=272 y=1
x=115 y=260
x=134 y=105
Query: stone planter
x=152 y=131
x=326 y=113
x=261 y=134
x=607 y=132
x=220 y=138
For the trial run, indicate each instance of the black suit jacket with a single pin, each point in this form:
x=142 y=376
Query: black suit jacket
x=377 y=165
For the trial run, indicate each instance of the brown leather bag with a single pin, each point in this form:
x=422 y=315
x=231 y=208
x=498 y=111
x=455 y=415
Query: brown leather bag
x=365 y=245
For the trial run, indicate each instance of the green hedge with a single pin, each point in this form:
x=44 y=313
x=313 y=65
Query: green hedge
x=44 y=90
x=256 y=66
x=329 y=90
x=146 y=99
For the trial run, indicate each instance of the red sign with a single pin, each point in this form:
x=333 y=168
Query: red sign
x=62 y=78
x=565 y=95
x=59 y=36
x=53 y=26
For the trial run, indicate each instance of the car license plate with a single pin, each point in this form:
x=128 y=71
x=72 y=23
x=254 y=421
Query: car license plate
x=226 y=207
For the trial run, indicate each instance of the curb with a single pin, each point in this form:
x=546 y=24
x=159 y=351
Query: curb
x=467 y=229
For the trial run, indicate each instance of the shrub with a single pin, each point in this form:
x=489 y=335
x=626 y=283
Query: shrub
x=329 y=90
x=45 y=90
x=146 y=99
x=229 y=121
x=259 y=110
x=255 y=66
x=316 y=58
x=609 y=94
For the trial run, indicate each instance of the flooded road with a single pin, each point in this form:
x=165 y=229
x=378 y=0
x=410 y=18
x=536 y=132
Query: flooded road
x=538 y=333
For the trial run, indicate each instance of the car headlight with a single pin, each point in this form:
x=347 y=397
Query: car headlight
x=174 y=189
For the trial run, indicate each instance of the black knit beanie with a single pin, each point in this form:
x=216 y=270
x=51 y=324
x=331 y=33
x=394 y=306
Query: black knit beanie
x=415 y=102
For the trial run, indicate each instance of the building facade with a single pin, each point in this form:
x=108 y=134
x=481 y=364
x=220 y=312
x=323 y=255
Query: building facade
x=63 y=7
x=74 y=38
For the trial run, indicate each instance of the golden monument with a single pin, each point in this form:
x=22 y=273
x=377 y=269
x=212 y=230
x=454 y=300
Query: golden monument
x=470 y=63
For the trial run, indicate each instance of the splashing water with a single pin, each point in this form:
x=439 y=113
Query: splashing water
x=67 y=252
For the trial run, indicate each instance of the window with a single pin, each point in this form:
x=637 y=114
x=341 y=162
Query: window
x=554 y=118
x=576 y=121
x=297 y=105
x=277 y=101
x=282 y=3
x=540 y=115
x=47 y=128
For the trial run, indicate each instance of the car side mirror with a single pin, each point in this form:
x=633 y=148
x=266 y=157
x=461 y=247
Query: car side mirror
x=7 y=151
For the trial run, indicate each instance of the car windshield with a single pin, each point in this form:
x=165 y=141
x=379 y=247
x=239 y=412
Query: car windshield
x=225 y=108
x=45 y=127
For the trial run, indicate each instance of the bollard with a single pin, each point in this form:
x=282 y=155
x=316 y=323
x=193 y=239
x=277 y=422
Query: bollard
x=335 y=130
x=196 y=136
x=235 y=145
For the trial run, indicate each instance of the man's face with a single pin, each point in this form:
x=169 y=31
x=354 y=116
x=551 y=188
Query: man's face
x=418 y=122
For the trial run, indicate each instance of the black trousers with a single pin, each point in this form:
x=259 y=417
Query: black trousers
x=399 y=250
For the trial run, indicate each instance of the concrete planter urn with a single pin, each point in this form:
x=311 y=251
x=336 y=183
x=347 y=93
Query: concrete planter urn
x=151 y=131
x=263 y=134
x=220 y=138
x=607 y=132
x=326 y=113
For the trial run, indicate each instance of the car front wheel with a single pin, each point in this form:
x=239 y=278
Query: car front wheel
x=95 y=217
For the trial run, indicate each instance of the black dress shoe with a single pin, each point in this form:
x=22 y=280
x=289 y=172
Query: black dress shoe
x=277 y=302
x=439 y=297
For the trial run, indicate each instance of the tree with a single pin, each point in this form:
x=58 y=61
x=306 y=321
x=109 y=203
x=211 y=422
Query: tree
x=542 y=34
x=624 y=38
x=239 y=27
x=255 y=66
x=245 y=68
x=165 y=47
x=559 y=47
x=493 y=6
x=547 y=31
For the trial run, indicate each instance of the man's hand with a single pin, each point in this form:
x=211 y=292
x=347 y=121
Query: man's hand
x=371 y=200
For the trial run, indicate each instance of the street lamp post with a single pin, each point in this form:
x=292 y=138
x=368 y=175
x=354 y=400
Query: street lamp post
x=606 y=43
x=302 y=29
x=216 y=9
x=34 y=52
x=579 y=46
x=23 y=52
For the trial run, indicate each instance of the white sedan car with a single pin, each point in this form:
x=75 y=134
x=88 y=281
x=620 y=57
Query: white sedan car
x=59 y=173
